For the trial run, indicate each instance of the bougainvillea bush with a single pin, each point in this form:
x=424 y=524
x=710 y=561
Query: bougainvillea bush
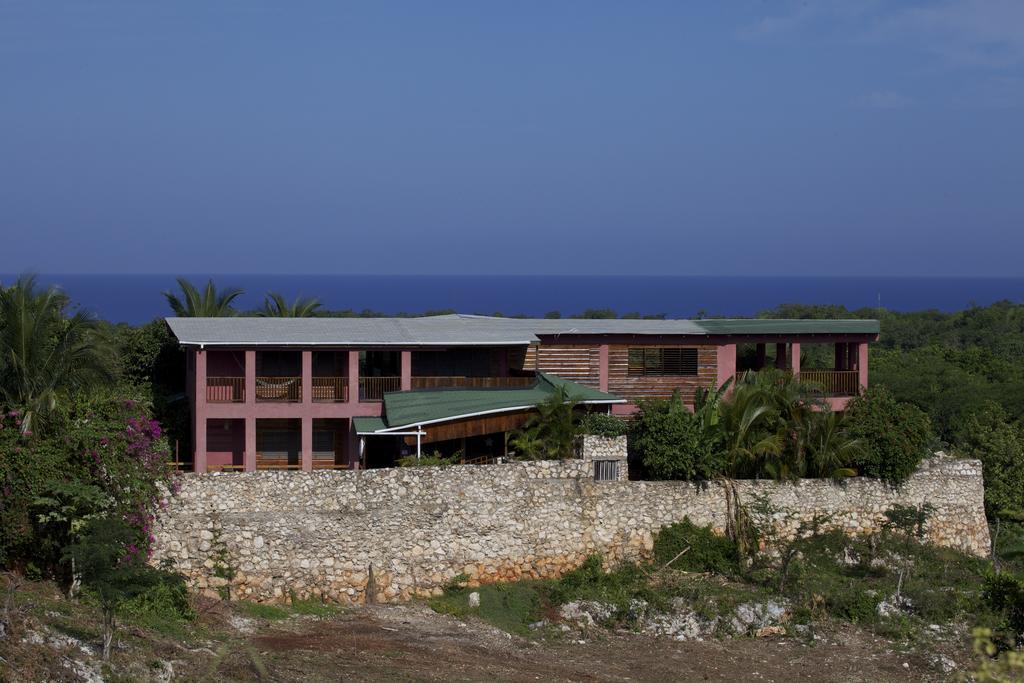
x=103 y=454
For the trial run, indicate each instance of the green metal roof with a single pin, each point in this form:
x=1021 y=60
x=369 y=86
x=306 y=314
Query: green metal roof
x=410 y=408
x=787 y=326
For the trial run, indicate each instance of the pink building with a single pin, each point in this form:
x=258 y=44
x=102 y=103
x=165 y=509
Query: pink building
x=297 y=393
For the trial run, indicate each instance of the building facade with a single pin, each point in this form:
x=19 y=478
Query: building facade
x=285 y=393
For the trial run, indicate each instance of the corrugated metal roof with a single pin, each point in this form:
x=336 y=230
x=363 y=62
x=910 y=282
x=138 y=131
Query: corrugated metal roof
x=406 y=409
x=458 y=329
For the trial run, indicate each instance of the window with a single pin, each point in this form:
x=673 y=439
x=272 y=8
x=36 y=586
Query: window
x=662 y=362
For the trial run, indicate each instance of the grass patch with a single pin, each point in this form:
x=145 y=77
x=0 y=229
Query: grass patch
x=511 y=607
x=314 y=608
x=258 y=610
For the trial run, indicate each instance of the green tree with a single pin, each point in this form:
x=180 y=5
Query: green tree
x=896 y=436
x=275 y=306
x=46 y=356
x=550 y=434
x=206 y=304
x=673 y=443
x=112 y=569
x=989 y=436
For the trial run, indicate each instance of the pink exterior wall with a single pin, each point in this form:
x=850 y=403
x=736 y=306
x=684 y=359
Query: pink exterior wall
x=602 y=367
x=726 y=363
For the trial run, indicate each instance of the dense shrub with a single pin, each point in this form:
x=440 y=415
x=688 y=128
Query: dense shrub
x=602 y=424
x=1004 y=594
x=896 y=435
x=673 y=444
x=105 y=443
x=989 y=436
x=705 y=551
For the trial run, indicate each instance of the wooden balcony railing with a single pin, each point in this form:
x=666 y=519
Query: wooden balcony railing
x=225 y=389
x=457 y=382
x=829 y=382
x=330 y=389
x=833 y=382
x=286 y=389
x=374 y=388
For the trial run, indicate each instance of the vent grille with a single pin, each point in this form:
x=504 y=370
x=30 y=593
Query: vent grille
x=659 y=362
x=606 y=470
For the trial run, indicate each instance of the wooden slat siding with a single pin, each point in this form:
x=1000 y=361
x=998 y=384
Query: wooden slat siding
x=574 y=362
x=529 y=358
x=635 y=388
x=475 y=426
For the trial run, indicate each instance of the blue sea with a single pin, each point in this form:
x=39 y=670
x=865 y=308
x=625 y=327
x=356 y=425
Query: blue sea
x=137 y=298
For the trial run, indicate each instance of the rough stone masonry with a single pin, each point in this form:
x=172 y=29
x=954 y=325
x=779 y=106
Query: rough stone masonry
x=323 y=533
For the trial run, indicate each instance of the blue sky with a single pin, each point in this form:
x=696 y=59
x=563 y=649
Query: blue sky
x=679 y=138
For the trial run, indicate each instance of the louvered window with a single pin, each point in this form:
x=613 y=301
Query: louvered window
x=662 y=361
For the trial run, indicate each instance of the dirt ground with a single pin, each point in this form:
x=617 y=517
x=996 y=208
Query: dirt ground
x=412 y=643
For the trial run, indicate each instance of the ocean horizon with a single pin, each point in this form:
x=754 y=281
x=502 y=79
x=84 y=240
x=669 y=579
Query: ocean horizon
x=135 y=298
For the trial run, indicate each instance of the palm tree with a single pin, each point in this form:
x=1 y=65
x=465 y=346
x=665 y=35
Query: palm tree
x=275 y=306
x=831 y=448
x=208 y=304
x=551 y=432
x=45 y=356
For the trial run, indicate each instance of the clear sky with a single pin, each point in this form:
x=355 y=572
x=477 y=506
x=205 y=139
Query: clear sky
x=682 y=138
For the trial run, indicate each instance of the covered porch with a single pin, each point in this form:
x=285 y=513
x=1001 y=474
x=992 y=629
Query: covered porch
x=472 y=423
x=847 y=377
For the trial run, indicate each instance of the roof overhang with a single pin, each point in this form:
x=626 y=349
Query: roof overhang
x=403 y=429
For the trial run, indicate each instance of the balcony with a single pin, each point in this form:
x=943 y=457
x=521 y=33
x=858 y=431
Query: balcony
x=225 y=389
x=833 y=382
x=330 y=389
x=457 y=382
x=829 y=382
x=278 y=389
x=374 y=388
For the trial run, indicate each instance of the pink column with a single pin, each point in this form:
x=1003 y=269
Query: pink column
x=199 y=417
x=780 y=356
x=353 y=376
x=602 y=367
x=307 y=378
x=862 y=365
x=726 y=357
x=249 y=460
x=406 y=370
x=794 y=357
x=306 y=454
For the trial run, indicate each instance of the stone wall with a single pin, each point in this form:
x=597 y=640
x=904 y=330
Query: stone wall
x=322 y=533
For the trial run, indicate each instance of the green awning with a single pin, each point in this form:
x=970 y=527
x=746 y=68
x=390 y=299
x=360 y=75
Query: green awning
x=405 y=409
